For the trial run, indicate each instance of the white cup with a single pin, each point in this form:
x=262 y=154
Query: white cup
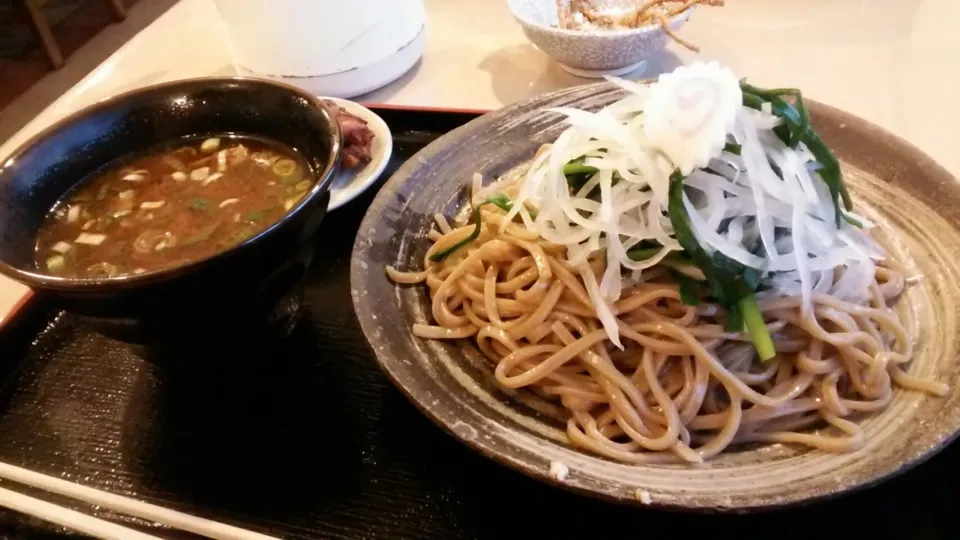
x=333 y=47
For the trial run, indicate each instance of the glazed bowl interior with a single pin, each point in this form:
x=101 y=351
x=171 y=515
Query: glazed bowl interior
x=40 y=172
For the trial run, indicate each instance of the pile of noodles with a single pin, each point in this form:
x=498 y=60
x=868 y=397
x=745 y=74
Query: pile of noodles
x=681 y=388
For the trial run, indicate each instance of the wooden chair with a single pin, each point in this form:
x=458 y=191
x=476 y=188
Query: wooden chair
x=32 y=14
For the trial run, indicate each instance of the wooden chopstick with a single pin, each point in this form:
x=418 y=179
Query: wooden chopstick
x=104 y=529
x=69 y=518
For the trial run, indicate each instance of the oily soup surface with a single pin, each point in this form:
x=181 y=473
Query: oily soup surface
x=169 y=206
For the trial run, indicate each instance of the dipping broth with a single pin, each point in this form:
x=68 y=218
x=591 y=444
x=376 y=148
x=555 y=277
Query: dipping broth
x=170 y=206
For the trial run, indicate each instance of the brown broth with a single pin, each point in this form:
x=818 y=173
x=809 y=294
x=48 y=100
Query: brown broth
x=170 y=206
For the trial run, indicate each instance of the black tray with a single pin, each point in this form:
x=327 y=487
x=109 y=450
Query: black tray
x=311 y=441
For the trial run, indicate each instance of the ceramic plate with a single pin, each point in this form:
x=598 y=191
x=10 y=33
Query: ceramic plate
x=910 y=197
x=352 y=182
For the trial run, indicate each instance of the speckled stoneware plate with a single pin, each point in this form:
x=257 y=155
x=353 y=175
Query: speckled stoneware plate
x=910 y=197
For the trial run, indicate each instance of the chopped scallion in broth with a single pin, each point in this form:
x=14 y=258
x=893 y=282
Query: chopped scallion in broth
x=170 y=206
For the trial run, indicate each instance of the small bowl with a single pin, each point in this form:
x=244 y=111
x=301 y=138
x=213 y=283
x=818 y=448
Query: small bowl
x=592 y=54
x=251 y=289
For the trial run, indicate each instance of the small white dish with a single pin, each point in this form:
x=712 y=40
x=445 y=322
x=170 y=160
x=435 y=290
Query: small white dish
x=349 y=183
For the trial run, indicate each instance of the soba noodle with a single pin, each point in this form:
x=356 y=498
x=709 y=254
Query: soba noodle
x=681 y=270
x=681 y=388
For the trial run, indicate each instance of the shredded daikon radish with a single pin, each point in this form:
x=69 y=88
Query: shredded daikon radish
x=603 y=307
x=690 y=112
x=763 y=205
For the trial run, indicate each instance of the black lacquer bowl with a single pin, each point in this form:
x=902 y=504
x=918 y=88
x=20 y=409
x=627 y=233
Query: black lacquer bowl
x=250 y=290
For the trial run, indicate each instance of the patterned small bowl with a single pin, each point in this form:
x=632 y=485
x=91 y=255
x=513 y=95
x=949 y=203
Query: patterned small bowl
x=592 y=54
